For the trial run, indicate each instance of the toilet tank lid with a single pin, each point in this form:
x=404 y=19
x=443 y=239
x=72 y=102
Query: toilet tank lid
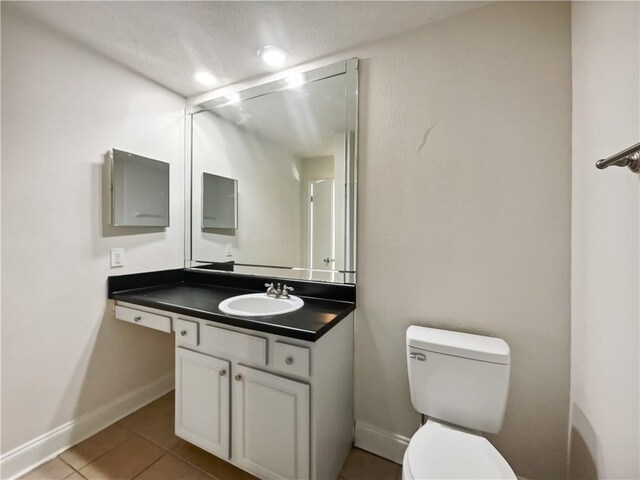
x=467 y=345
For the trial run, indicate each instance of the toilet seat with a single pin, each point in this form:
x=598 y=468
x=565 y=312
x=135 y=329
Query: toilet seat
x=439 y=451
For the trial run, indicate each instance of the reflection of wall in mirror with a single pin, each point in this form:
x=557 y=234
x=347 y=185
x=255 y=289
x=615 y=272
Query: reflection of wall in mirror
x=269 y=191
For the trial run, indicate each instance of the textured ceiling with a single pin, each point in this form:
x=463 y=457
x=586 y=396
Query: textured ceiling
x=168 y=41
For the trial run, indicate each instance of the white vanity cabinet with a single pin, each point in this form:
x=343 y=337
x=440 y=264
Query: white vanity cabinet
x=277 y=407
x=202 y=401
x=270 y=424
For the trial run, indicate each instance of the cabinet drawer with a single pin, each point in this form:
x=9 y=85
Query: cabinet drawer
x=186 y=332
x=248 y=348
x=146 y=319
x=291 y=359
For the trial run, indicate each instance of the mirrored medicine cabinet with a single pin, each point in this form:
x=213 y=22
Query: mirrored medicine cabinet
x=139 y=190
x=272 y=187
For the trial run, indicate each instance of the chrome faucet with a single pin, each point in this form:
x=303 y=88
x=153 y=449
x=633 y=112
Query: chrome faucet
x=278 y=292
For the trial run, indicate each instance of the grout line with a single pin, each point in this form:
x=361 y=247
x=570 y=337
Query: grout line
x=167 y=450
x=148 y=466
x=150 y=439
x=104 y=453
x=67 y=463
x=192 y=465
x=136 y=433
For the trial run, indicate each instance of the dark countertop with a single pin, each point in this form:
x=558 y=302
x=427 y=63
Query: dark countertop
x=200 y=300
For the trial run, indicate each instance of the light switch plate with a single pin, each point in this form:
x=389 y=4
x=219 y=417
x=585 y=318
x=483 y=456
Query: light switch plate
x=117 y=257
x=229 y=250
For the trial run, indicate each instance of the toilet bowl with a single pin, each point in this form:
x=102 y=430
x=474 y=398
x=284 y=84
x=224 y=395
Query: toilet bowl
x=460 y=381
x=439 y=451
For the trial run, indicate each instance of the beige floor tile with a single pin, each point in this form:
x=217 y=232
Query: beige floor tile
x=361 y=465
x=87 y=451
x=155 y=422
x=75 y=476
x=148 y=414
x=54 y=469
x=125 y=461
x=171 y=468
x=210 y=463
x=161 y=432
x=171 y=396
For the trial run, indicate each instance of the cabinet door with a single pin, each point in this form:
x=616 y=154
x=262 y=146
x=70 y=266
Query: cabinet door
x=202 y=401
x=270 y=424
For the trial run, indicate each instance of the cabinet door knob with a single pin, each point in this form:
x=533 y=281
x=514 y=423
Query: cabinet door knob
x=288 y=360
x=137 y=319
x=223 y=373
x=183 y=333
x=238 y=377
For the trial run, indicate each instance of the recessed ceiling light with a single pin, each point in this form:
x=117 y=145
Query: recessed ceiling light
x=272 y=57
x=204 y=78
x=294 y=80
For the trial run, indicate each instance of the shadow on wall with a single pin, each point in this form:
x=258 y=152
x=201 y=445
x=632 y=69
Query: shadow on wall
x=583 y=447
x=110 y=349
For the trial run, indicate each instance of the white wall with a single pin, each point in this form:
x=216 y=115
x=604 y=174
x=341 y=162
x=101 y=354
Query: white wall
x=605 y=370
x=63 y=107
x=269 y=192
x=464 y=212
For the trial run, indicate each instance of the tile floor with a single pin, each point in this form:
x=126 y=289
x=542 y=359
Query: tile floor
x=143 y=446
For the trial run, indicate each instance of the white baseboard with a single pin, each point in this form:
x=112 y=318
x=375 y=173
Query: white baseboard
x=381 y=442
x=34 y=452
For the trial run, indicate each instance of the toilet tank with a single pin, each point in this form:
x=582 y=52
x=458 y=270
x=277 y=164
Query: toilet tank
x=458 y=378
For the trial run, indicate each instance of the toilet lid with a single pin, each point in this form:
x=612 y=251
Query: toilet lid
x=439 y=451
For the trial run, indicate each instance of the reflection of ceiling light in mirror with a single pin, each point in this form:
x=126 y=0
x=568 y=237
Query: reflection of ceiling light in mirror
x=233 y=98
x=204 y=78
x=272 y=57
x=294 y=80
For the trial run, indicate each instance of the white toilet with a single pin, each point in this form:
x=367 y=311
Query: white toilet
x=460 y=381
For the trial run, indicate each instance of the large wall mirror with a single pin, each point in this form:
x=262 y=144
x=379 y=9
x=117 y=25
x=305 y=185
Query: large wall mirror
x=280 y=161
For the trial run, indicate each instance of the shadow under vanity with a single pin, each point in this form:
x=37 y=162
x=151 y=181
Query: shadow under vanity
x=272 y=197
x=272 y=395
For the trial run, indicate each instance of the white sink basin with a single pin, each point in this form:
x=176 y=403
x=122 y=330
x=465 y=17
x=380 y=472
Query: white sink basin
x=259 y=305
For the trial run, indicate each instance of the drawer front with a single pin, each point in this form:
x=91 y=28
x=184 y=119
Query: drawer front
x=146 y=319
x=249 y=348
x=186 y=332
x=291 y=359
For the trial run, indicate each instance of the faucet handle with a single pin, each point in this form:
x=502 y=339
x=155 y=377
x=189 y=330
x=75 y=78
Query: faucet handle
x=271 y=291
x=285 y=291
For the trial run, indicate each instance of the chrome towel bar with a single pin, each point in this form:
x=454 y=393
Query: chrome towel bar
x=629 y=157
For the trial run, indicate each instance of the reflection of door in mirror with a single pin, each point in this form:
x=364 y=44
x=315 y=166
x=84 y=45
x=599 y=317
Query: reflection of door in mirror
x=321 y=239
x=319 y=214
